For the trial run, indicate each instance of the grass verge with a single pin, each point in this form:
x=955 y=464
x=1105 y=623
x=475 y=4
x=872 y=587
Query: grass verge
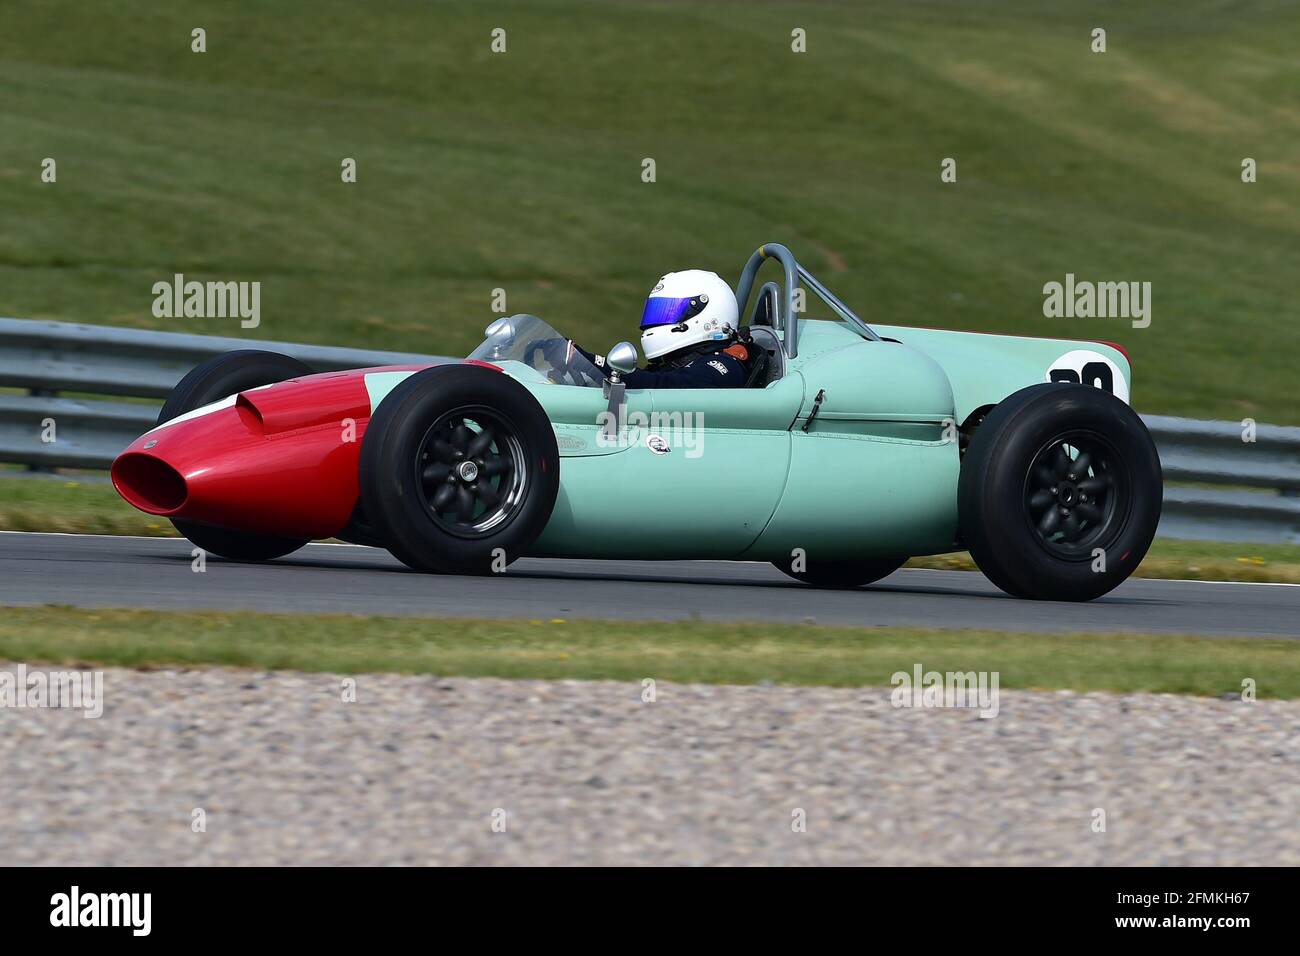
x=1184 y=560
x=687 y=651
x=72 y=506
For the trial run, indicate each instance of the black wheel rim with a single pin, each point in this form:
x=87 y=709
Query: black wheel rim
x=470 y=471
x=1077 y=495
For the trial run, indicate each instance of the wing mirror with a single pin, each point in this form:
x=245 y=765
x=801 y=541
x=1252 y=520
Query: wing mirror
x=622 y=358
x=500 y=328
x=501 y=334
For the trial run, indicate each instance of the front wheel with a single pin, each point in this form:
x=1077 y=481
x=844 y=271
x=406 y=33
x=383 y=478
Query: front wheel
x=841 y=574
x=1060 y=493
x=459 y=470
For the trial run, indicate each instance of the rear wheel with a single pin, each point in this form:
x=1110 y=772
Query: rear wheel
x=842 y=574
x=459 y=470
x=1060 y=493
x=213 y=380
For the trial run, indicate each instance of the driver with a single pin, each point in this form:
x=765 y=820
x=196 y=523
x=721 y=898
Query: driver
x=690 y=332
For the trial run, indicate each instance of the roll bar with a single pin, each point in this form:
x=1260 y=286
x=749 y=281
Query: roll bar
x=787 y=322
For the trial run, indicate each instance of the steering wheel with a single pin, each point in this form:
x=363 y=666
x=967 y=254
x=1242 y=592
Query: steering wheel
x=563 y=372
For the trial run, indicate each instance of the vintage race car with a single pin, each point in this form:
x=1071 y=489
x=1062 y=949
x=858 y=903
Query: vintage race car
x=853 y=449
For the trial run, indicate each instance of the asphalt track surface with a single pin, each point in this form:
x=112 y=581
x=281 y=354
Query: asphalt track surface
x=104 y=571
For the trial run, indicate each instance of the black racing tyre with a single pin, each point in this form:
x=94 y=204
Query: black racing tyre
x=212 y=381
x=1060 y=493
x=842 y=574
x=459 y=470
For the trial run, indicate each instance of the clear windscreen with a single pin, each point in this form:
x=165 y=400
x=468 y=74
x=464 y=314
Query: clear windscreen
x=529 y=340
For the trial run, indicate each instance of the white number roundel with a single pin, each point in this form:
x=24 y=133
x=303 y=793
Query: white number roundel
x=1090 y=368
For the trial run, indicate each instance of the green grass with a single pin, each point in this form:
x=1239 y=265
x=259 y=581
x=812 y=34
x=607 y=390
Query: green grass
x=522 y=171
x=93 y=507
x=1185 y=560
x=72 y=506
x=620 y=650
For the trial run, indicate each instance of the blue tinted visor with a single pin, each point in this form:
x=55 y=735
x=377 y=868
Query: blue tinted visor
x=661 y=310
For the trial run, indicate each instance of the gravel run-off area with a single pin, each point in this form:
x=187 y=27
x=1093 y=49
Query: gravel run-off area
x=416 y=770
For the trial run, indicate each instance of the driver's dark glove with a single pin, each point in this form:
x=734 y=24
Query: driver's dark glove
x=593 y=358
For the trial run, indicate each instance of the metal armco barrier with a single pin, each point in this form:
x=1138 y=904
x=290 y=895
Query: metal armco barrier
x=50 y=359
x=1228 y=455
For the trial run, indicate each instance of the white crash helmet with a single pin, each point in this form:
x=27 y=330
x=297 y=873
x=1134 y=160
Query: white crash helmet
x=687 y=308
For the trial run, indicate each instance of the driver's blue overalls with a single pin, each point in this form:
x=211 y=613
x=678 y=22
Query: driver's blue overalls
x=726 y=367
